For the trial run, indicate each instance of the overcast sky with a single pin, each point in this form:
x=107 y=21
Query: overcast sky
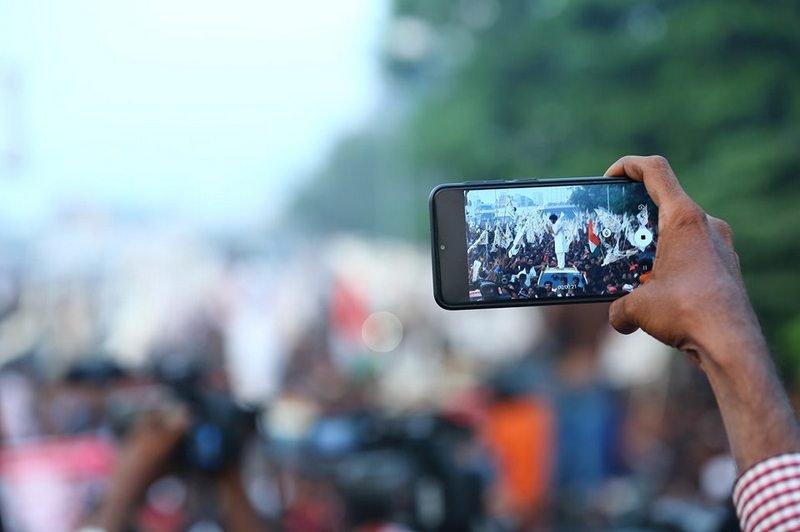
x=208 y=107
x=548 y=195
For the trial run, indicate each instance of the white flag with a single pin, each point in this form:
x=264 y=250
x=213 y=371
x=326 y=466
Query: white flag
x=476 y=269
x=502 y=239
x=517 y=241
x=481 y=241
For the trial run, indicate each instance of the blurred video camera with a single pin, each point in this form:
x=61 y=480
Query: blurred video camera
x=414 y=470
x=219 y=425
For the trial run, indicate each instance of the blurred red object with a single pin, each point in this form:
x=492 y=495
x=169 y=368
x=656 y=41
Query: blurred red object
x=53 y=484
x=348 y=312
x=82 y=456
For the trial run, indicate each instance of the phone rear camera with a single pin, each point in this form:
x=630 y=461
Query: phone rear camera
x=442 y=247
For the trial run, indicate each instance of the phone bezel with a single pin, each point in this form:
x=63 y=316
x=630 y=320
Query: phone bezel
x=439 y=268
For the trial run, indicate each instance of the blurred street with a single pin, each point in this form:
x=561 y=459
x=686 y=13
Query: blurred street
x=215 y=276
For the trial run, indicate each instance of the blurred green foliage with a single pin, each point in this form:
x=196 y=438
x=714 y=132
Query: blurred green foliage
x=617 y=198
x=533 y=88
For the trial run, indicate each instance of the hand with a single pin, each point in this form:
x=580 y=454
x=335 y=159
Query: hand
x=143 y=457
x=695 y=300
x=153 y=438
x=695 y=295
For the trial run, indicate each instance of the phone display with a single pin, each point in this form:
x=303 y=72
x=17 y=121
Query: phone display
x=541 y=241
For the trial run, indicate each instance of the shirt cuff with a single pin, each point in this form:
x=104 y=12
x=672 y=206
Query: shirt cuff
x=767 y=496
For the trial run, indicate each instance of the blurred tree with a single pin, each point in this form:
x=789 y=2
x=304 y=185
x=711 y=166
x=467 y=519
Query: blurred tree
x=520 y=88
x=616 y=198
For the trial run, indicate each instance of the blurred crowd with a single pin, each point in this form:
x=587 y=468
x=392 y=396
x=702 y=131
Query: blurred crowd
x=189 y=382
x=158 y=376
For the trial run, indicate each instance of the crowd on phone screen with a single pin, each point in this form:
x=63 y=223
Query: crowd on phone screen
x=503 y=276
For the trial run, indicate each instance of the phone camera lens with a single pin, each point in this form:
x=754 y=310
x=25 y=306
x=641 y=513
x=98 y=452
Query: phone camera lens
x=442 y=247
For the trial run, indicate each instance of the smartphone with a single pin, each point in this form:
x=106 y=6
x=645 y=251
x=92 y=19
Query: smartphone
x=540 y=241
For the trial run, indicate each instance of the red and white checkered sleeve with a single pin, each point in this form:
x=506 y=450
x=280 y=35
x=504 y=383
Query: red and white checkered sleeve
x=767 y=496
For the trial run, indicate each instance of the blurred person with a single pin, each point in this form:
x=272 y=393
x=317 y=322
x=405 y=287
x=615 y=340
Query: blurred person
x=695 y=301
x=588 y=415
x=56 y=467
x=576 y=288
x=146 y=456
x=490 y=291
x=18 y=403
x=547 y=290
x=519 y=429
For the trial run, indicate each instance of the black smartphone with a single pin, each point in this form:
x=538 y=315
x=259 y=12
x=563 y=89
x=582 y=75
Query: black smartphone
x=540 y=241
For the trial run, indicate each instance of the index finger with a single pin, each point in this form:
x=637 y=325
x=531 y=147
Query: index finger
x=656 y=174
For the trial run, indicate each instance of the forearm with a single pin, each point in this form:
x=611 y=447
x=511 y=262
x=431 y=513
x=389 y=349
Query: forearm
x=755 y=409
x=116 y=509
x=238 y=513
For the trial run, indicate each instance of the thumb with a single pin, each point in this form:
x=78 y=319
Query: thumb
x=624 y=312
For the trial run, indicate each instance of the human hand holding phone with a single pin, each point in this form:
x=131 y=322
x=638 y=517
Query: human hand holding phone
x=695 y=292
x=695 y=300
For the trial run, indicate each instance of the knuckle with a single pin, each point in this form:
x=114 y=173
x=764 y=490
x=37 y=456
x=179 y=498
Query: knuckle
x=689 y=215
x=632 y=160
x=726 y=228
x=721 y=227
x=725 y=231
x=659 y=161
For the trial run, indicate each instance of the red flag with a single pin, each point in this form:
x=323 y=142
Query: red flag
x=594 y=240
x=347 y=312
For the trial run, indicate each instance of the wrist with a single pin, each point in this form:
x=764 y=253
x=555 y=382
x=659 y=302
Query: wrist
x=732 y=355
x=738 y=364
x=728 y=342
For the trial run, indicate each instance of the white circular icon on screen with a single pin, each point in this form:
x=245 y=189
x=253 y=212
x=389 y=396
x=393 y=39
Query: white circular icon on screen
x=643 y=238
x=606 y=232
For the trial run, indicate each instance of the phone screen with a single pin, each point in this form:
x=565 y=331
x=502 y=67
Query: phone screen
x=594 y=239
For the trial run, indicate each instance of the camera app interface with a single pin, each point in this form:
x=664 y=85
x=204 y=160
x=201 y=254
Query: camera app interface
x=559 y=241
